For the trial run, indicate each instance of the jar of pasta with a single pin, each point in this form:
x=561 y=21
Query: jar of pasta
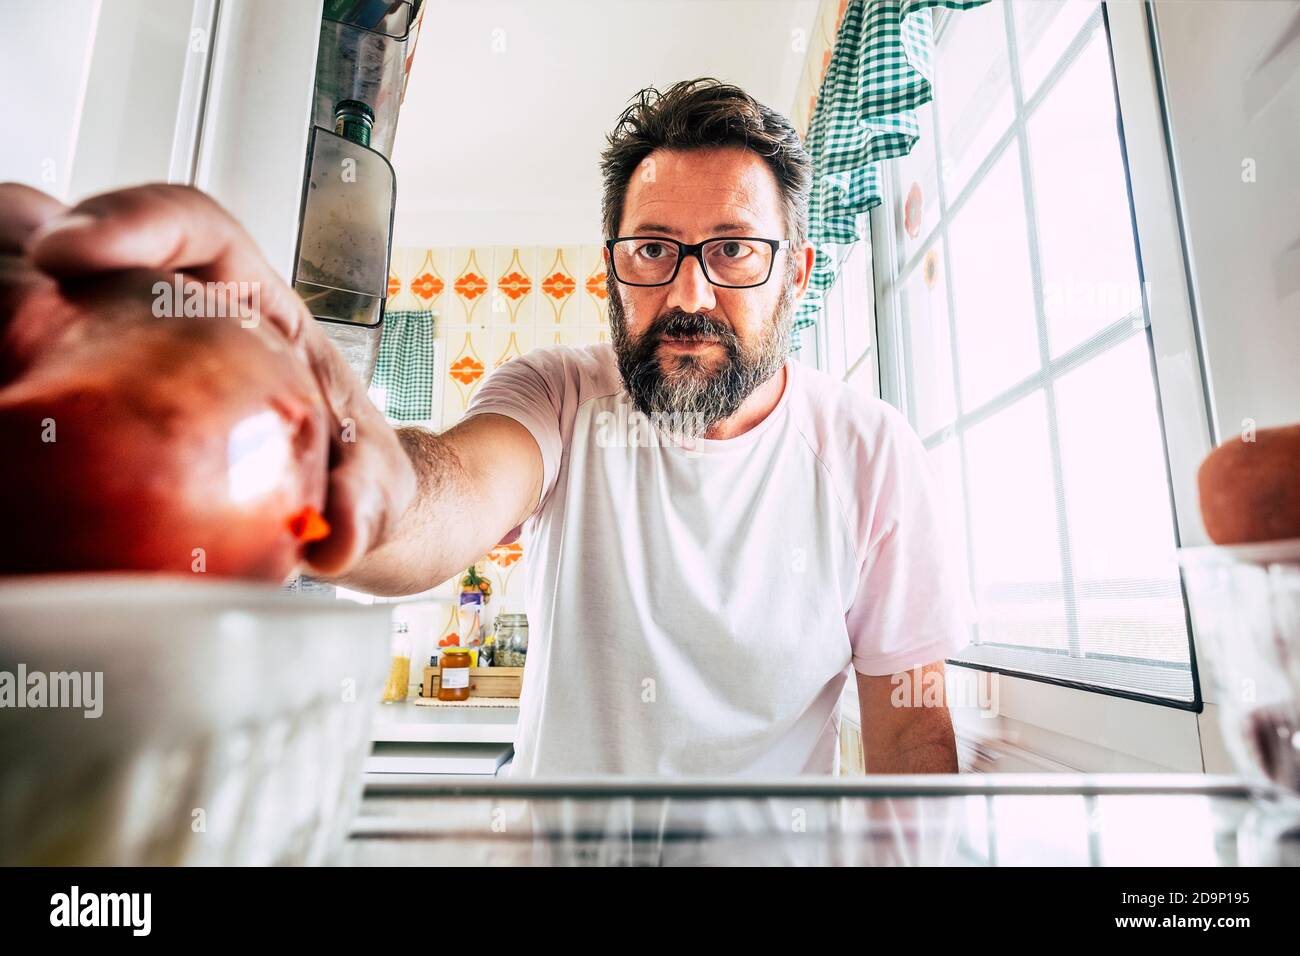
x=399 y=671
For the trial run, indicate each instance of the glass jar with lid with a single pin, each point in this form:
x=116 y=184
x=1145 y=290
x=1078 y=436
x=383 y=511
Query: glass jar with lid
x=453 y=676
x=511 y=645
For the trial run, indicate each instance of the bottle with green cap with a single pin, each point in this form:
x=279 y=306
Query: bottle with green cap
x=353 y=120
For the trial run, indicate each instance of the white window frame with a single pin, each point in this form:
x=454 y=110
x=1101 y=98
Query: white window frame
x=1082 y=729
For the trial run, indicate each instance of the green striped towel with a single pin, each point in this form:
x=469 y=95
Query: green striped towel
x=878 y=75
x=404 y=372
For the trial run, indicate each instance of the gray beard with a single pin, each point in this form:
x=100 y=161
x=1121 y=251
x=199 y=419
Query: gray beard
x=690 y=397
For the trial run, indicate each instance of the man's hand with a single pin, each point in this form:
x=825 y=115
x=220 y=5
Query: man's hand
x=175 y=229
x=906 y=726
x=22 y=211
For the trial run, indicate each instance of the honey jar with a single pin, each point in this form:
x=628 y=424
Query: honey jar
x=454 y=676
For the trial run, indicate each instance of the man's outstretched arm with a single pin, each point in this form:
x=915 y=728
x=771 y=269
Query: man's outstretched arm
x=474 y=482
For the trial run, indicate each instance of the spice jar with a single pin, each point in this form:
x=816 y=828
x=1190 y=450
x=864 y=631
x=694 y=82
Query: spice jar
x=454 y=676
x=399 y=672
x=511 y=645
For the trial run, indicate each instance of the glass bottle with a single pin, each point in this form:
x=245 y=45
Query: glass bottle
x=353 y=120
x=399 y=673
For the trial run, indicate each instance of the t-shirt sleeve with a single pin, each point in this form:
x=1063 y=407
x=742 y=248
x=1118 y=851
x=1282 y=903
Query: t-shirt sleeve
x=531 y=390
x=913 y=602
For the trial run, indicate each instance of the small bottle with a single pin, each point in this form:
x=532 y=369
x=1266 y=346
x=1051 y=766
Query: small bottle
x=399 y=673
x=353 y=120
x=454 y=682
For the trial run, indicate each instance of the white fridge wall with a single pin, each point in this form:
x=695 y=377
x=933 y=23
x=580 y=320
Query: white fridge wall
x=136 y=91
x=1232 y=75
x=45 y=55
x=253 y=145
x=132 y=97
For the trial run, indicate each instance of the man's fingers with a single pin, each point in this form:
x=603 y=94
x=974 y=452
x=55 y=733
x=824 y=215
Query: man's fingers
x=23 y=210
x=162 y=228
x=352 y=509
x=371 y=485
x=153 y=227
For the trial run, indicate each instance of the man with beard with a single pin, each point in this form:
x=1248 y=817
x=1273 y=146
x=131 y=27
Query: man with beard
x=716 y=535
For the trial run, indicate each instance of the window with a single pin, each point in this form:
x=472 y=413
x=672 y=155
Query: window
x=844 y=335
x=1014 y=334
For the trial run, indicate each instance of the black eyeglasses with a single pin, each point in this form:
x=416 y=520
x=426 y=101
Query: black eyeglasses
x=732 y=262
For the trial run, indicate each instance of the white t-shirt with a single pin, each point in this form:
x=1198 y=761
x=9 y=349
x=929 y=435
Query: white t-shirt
x=696 y=611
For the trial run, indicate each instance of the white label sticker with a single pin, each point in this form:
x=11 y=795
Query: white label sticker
x=455 y=677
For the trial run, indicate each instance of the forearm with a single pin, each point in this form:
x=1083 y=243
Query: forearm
x=928 y=745
x=441 y=532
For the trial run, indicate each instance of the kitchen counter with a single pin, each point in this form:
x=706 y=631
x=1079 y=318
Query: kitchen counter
x=436 y=742
x=954 y=820
x=409 y=722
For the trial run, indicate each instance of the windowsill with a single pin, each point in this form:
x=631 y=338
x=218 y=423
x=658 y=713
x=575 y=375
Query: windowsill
x=1148 y=680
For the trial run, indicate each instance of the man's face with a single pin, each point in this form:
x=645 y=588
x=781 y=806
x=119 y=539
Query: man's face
x=691 y=350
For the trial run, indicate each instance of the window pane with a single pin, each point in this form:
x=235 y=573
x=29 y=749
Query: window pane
x=946 y=459
x=1017 y=573
x=1117 y=502
x=1044 y=28
x=997 y=334
x=1071 y=561
x=863 y=380
x=928 y=345
x=972 y=90
x=860 y=302
x=1085 y=234
x=916 y=175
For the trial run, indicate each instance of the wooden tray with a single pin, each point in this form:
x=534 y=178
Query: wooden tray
x=483 y=681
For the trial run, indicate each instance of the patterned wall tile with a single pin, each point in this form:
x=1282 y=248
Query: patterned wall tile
x=437 y=418
x=467 y=364
x=594 y=300
x=503 y=564
x=561 y=286
x=470 y=299
x=427 y=282
x=567 y=335
x=516 y=286
x=591 y=334
x=507 y=343
x=402 y=268
x=450 y=625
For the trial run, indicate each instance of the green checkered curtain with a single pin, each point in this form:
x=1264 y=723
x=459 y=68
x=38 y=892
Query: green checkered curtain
x=879 y=73
x=404 y=371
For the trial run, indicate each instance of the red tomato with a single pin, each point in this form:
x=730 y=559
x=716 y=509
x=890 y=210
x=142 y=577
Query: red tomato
x=190 y=445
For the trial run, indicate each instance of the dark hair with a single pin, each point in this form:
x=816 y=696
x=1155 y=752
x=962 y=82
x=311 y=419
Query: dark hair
x=700 y=114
